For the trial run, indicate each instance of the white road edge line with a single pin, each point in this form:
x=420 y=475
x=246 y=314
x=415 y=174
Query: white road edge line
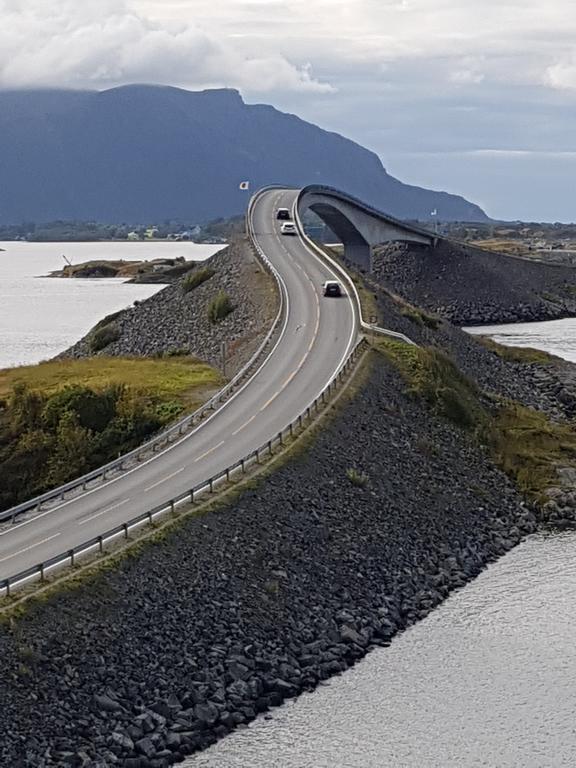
x=190 y=434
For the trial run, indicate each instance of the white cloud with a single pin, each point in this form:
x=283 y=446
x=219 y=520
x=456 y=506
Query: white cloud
x=107 y=42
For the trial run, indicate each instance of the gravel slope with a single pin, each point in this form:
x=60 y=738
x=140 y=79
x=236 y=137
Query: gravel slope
x=469 y=286
x=174 y=321
x=242 y=608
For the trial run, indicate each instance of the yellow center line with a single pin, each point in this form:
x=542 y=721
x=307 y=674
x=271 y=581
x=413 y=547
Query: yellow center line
x=208 y=452
x=251 y=419
x=165 y=479
x=26 y=549
x=103 y=512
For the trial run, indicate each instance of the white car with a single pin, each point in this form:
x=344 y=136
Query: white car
x=288 y=228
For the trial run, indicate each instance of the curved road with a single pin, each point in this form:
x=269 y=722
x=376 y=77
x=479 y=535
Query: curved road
x=317 y=337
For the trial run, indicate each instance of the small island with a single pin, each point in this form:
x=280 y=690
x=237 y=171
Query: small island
x=154 y=271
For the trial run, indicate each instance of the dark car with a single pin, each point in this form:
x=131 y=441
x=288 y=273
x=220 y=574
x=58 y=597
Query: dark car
x=283 y=213
x=332 y=288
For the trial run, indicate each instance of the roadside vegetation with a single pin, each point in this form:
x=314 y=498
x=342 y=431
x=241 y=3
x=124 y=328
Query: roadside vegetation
x=523 y=443
x=102 y=336
x=196 y=278
x=61 y=419
x=220 y=307
x=518 y=354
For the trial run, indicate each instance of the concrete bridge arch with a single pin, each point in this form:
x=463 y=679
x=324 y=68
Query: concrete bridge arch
x=359 y=226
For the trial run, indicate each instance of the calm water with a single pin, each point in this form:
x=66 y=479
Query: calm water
x=488 y=680
x=556 y=336
x=42 y=316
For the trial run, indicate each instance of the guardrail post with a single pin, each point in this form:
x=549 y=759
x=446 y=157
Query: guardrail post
x=211 y=484
x=308 y=413
x=227 y=474
x=41 y=568
x=281 y=437
x=243 y=465
x=300 y=421
x=125 y=527
x=150 y=518
x=291 y=429
x=270 y=447
x=7 y=587
x=100 y=544
x=172 y=506
x=71 y=555
x=192 y=496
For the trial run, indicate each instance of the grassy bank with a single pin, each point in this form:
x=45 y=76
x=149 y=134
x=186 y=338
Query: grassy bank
x=62 y=418
x=524 y=443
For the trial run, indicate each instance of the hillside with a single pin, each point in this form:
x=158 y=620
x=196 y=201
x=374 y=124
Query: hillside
x=148 y=153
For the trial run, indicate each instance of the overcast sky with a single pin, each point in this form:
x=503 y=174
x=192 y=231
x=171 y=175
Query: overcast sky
x=472 y=96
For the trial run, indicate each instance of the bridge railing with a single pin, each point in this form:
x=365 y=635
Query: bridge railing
x=177 y=431
x=97 y=544
x=342 y=273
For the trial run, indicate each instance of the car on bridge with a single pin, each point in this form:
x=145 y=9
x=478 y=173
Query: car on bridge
x=332 y=288
x=283 y=213
x=288 y=228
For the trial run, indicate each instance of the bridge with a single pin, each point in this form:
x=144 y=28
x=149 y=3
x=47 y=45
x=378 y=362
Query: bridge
x=357 y=225
x=313 y=342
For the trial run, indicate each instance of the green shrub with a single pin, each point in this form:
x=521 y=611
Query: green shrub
x=421 y=318
x=358 y=479
x=102 y=337
x=196 y=278
x=433 y=376
x=220 y=307
x=109 y=319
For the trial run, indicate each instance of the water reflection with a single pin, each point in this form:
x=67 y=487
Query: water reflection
x=488 y=679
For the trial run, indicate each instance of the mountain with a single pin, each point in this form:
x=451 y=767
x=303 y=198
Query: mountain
x=147 y=153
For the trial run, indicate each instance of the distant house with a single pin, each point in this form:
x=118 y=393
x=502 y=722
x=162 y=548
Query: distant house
x=133 y=236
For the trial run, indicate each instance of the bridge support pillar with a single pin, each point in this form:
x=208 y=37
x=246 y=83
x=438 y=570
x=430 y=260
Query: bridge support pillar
x=360 y=255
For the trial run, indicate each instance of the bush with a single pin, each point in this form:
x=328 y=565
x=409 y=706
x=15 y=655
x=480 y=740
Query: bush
x=358 y=479
x=196 y=278
x=220 y=307
x=421 y=318
x=102 y=337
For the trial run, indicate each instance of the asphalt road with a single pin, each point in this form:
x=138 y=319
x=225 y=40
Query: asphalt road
x=317 y=337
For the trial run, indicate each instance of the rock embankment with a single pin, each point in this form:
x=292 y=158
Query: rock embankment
x=469 y=286
x=239 y=609
x=545 y=383
x=176 y=320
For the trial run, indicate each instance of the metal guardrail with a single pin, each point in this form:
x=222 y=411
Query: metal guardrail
x=240 y=468
x=370 y=327
x=172 y=434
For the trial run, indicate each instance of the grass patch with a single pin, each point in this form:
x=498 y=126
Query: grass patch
x=171 y=377
x=220 y=307
x=102 y=337
x=63 y=418
x=419 y=317
x=522 y=442
x=529 y=447
x=432 y=376
x=518 y=354
x=196 y=278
